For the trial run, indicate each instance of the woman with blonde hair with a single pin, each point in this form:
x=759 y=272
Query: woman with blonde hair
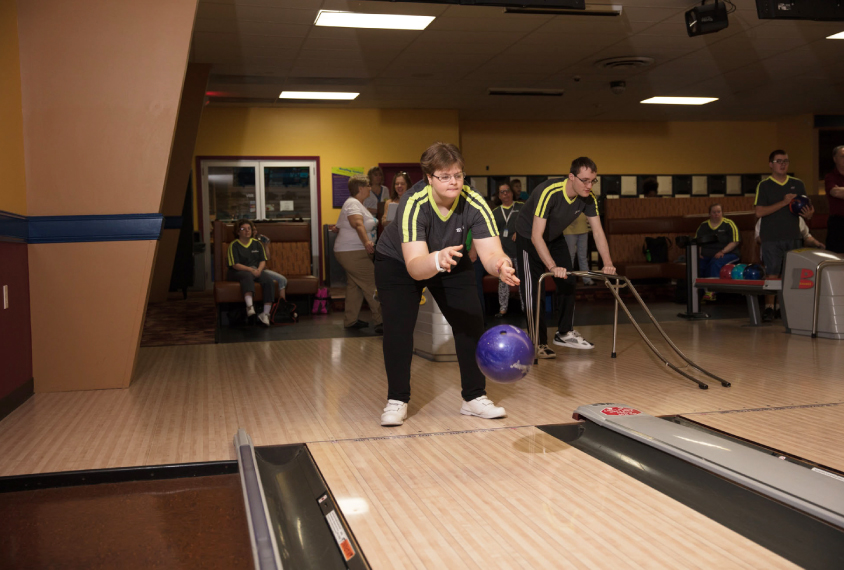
x=353 y=248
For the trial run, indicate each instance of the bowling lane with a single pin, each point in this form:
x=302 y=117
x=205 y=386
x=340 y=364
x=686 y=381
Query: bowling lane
x=812 y=432
x=515 y=498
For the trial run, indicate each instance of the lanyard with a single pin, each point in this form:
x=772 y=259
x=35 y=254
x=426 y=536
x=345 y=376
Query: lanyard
x=506 y=216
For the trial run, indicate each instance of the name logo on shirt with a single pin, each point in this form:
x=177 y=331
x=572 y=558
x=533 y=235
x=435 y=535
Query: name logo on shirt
x=459 y=230
x=577 y=212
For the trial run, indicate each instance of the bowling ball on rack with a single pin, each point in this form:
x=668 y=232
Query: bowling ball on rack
x=504 y=353
x=754 y=272
x=727 y=271
x=798 y=204
x=738 y=270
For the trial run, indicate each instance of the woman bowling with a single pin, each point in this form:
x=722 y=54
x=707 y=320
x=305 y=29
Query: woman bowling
x=423 y=248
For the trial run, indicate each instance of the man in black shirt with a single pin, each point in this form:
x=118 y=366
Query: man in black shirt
x=780 y=230
x=549 y=210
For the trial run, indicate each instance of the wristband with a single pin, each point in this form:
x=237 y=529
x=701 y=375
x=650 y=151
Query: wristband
x=437 y=261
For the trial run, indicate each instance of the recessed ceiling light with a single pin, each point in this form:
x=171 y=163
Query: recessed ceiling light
x=680 y=100
x=838 y=36
x=336 y=95
x=380 y=21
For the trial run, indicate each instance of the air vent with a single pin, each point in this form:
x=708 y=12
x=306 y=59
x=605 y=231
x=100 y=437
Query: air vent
x=518 y=91
x=624 y=63
x=245 y=80
x=591 y=10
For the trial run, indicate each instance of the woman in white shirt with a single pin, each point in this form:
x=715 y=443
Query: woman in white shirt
x=353 y=249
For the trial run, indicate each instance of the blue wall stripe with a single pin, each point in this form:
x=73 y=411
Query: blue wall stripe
x=74 y=229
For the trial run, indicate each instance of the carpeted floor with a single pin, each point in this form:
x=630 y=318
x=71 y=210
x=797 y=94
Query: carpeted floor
x=180 y=321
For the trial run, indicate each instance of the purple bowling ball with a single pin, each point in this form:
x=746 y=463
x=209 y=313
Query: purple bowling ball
x=504 y=353
x=798 y=204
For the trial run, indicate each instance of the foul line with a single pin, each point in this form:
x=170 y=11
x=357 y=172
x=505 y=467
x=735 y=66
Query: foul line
x=413 y=435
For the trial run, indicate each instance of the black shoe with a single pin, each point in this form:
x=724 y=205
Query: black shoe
x=379 y=329
x=358 y=325
x=777 y=314
x=768 y=315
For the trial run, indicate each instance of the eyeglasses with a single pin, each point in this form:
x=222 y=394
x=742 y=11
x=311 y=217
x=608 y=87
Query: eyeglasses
x=245 y=230
x=780 y=161
x=588 y=182
x=449 y=177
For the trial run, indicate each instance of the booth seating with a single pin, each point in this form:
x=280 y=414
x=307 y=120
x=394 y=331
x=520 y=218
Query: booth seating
x=290 y=255
x=626 y=237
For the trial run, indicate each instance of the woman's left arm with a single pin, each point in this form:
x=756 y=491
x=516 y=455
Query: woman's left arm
x=495 y=261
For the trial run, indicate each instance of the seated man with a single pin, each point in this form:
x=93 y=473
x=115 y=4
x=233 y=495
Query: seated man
x=718 y=237
x=277 y=277
x=246 y=260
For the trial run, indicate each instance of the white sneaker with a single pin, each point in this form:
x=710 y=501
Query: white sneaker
x=394 y=414
x=545 y=352
x=264 y=318
x=250 y=311
x=572 y=339
x=483 y=408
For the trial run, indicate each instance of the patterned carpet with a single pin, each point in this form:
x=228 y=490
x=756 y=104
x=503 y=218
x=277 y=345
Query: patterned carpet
x=180 y=321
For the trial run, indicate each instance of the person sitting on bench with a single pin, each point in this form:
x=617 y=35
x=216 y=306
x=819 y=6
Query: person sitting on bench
x=717 y=237
x=247 y=260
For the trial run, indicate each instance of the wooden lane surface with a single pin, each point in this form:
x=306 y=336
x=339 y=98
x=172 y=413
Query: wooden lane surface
x=516 y=498
x=812 y=433
x=186 y=402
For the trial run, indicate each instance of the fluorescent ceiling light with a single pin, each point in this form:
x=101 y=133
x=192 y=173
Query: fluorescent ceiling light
x=381 y=21
x=838 y=36
x=336 y=95
x=680 y=100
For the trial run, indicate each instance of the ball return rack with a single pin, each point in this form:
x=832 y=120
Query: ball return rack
x=615 y=283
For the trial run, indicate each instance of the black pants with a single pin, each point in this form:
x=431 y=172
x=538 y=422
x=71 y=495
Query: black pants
x=531 y=267
x=247 y=283
x=835 y=234
x=457 y=298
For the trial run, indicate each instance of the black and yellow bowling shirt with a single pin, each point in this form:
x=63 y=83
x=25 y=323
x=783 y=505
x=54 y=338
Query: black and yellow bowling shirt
x=250 y=255
x=549 y=201
x=726 y=232
x=419 y=219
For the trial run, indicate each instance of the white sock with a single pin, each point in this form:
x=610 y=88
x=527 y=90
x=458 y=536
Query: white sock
x=267 y=307
x=248 y=299
x=769 y=305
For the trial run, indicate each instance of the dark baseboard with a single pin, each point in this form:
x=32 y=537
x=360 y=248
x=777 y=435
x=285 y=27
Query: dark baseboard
x=18 y=396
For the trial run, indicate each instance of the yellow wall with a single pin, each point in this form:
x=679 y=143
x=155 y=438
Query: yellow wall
x=797 y=136
x=618 y=148
x=13 y=187
x=339 y=137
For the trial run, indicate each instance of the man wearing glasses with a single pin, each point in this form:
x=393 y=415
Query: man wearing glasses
x=780 y=230
x=542 y=248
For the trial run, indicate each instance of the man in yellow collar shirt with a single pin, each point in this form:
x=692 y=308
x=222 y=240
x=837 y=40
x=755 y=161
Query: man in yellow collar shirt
x=550 y=209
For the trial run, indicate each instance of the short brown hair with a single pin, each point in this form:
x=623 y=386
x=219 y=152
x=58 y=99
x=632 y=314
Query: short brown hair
x=243 y=222
x=582 y=162
x=440 y=155
x=716 y=204
x=357 y=182
x=375 y=169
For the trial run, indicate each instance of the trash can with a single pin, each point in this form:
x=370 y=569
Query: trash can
x=433 y=338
